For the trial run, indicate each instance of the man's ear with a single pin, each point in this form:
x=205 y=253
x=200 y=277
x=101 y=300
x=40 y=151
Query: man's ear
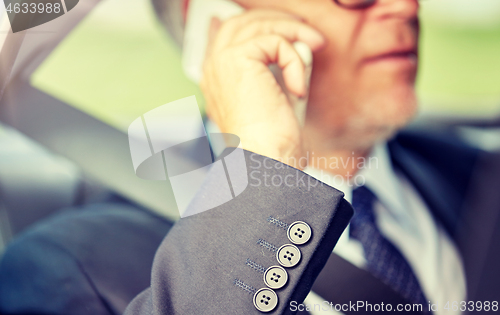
x=185 y=6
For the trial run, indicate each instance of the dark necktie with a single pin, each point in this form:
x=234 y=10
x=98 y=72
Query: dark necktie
x=384 y=260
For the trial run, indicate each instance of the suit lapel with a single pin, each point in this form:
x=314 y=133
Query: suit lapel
x=442 y=198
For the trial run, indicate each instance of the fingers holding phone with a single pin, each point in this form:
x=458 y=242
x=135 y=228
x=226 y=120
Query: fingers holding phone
x=243 y=96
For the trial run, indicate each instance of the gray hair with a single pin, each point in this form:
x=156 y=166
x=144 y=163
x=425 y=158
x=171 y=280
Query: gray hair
x=169 y=12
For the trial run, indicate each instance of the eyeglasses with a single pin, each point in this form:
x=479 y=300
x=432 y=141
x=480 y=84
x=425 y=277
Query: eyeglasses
x=354 y=4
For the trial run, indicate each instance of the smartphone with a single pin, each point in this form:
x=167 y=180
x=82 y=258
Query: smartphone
x=200 y=14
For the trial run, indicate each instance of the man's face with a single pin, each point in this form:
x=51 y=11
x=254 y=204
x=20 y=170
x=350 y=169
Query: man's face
x=362 y=87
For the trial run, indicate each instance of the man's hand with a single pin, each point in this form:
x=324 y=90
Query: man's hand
x=242 y=95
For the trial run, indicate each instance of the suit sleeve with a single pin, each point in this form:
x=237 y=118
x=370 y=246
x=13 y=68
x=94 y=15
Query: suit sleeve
x=214 y=262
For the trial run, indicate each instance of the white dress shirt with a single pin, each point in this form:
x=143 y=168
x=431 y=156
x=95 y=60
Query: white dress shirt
x=404 y=219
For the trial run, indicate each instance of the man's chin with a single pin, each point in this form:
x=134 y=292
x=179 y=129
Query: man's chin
x=365 y=139
x=383 y=116
x=394 y=109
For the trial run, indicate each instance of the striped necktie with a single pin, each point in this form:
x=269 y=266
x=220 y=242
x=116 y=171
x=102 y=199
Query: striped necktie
x=384 y=260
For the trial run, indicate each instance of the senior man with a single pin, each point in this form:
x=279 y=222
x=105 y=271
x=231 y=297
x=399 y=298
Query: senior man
x=271 y=246
x=361 y=93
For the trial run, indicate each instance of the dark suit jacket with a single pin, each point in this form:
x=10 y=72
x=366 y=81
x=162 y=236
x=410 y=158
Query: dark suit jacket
x=93 y=261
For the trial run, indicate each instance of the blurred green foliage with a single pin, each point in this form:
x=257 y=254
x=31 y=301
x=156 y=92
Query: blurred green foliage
x=459 y=68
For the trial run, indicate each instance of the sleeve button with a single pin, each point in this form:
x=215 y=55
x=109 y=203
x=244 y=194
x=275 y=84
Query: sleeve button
x=288 y=255
x=275 y=277
x=299 y=232
x=265 y=300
